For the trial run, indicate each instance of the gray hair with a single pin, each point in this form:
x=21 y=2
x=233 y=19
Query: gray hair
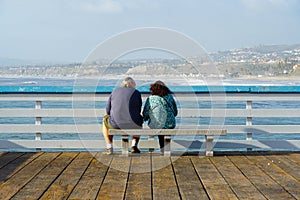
x=126 y=82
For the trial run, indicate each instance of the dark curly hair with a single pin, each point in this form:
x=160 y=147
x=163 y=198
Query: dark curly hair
x=160 y=89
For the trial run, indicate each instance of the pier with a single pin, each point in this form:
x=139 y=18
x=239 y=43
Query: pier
x=48 y=157
x=84 y=175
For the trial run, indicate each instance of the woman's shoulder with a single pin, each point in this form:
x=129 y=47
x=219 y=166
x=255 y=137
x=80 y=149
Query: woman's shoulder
x=168 y=97
x=155 y=97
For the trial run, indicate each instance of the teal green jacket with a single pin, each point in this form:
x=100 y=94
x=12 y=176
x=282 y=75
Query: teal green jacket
x=160 y=112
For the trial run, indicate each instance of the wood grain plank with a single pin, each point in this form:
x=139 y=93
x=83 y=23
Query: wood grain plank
x=189 y=184
x=98 y=176
x=88 y=186
x=270 y=167
x=214 y=183
x=295 y=157
x=287 y=165
x=139 y=181
x=64 y=184
x=36 y=187
x=115 y=182
x=8 y=157
x=164 y=183
x=17 y=164
x=264 y=183
x=23 y=176
x=241 y=186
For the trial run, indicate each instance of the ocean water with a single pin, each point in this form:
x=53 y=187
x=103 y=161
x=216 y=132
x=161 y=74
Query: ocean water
x=141 y=82
x=185 y=121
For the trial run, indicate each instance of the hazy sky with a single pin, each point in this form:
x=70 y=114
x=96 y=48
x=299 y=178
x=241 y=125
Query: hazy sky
x=68 y=30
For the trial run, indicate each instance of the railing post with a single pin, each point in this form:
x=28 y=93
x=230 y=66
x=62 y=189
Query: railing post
x=249 y=119
x=249 y=122
x=38 y=122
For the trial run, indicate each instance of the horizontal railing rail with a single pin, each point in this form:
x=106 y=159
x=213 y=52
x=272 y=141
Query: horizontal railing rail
x=39 y=114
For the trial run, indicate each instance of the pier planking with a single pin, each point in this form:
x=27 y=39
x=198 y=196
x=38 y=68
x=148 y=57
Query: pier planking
x=88 y=186
x=213 y=182
x=8 y=157
x=139 y=180
x=22 y=177
x=64 y=184
x=278 y=173
x=39 y=184
x=115 y=182
x=163 y=179
x=293 y=157
x=262 y=181
x=240 y=185
x=86 y=175
x=188 y=182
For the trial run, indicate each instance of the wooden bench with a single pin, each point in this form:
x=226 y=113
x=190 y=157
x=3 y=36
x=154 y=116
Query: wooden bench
x=208 y=133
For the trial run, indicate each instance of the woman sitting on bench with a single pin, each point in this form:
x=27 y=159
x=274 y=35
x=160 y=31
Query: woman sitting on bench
x=160 y=110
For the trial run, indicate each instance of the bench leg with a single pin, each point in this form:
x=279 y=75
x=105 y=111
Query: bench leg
x=151 y=138
x=167 y=147
x=209 y=145
x=125 y=144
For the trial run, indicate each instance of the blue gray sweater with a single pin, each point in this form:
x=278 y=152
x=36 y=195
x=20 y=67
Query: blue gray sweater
x=124 y=107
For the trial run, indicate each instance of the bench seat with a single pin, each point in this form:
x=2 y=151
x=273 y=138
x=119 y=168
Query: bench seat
x=208 y=133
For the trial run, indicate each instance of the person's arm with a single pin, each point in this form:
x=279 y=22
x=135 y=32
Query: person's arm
x=108 y=105
x=140 y=102
x=174 y=106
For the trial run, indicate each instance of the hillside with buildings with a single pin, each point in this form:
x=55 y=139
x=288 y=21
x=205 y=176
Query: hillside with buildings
x=260 y=62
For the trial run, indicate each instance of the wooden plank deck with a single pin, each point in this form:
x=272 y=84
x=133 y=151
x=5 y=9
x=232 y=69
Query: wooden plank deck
x=84 y=175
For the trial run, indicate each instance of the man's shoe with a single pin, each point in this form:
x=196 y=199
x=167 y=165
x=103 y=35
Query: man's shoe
x=109 y=151
x=134 y=149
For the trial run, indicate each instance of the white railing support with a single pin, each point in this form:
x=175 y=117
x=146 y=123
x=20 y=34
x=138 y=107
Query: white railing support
x=249 y=119
x=38 y=122
x=249 y=122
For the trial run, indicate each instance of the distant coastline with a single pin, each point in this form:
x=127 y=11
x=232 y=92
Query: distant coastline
x=274 y=62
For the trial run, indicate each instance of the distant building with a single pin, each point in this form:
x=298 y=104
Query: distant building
x=296 y=67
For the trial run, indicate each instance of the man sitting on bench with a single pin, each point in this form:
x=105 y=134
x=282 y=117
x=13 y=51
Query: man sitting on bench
x=123 y=112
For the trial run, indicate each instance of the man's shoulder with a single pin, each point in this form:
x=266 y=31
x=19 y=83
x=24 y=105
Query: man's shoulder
x=136 y=91
x=126 y=90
